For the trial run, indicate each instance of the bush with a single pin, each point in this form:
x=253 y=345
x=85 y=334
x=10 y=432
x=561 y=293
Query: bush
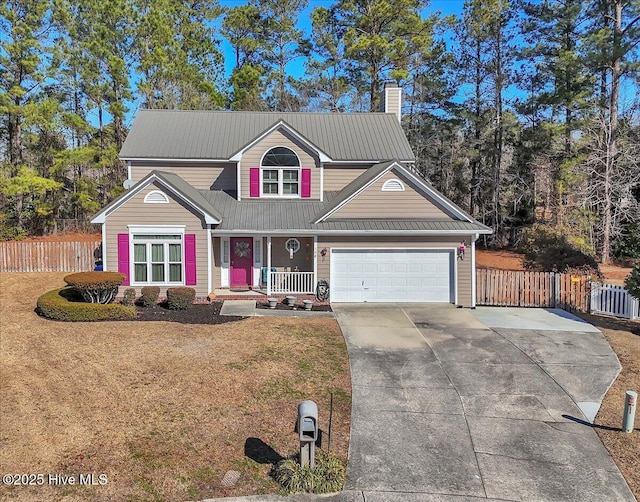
x=66 y=304
x=149 y=295
x=180 y=298
x=629 y=244
x=129 y=297
x=327 y=476
x=546 y=248
x=632 y=282
x=96 y=287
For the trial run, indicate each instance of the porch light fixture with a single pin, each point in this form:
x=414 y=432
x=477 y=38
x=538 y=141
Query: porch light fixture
x=461 y=249
x=292 y=245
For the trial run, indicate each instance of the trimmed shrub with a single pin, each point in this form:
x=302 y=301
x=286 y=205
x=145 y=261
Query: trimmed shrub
x=180 y=298
x=96 y=287
x=129 y=297
x=66 y=304
x=327 y=476
x=149 y=295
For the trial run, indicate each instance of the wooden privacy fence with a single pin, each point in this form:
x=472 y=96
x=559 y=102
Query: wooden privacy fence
x=614 y=300
x=45 y=256
x=532 y=289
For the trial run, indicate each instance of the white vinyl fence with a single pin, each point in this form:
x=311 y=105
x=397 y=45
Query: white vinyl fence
x=613 y=300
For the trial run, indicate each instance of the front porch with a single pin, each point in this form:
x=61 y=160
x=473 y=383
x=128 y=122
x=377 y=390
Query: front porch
x=264 y=266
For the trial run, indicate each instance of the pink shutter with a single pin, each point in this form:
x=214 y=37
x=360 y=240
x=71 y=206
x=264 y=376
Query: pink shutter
x=254 y=182
x=123 y=257
x=306 y=183
x=190 y=259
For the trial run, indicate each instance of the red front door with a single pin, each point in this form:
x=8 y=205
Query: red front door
x=241 y=261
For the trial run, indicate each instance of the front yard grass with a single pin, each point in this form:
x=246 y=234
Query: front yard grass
x=163 y=409
x=624 y=337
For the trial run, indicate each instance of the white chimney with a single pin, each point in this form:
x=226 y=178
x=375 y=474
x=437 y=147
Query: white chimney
x=392 y=99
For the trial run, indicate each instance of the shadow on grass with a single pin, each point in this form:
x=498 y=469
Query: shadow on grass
x=259 y=451
x=608 y=322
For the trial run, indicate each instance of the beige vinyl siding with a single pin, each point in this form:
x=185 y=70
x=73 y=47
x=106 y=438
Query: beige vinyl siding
x=253 y=157
x=463 y=283
x=215 y=176
x=335 y=178
x=374 y=203
x=136 y=212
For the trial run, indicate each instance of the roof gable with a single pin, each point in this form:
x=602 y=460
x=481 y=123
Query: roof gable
x=285 y=128
x=433 y=198
x=220 y=135
x=392 y=196
x=174 y=184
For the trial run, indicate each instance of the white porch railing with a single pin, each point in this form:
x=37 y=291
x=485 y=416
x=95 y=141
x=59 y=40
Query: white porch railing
x=613 y=300
x=290 y=282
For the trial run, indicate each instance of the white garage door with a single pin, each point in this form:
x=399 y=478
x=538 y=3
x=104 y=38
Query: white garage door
x=391 y=275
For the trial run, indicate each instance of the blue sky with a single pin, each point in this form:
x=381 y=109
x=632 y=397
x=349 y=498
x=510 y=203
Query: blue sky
x=446 y=7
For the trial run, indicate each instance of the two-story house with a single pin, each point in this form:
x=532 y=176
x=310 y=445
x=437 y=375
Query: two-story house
x=277 y=201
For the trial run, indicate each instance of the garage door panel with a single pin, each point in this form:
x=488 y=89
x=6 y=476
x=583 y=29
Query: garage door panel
x=407 y=275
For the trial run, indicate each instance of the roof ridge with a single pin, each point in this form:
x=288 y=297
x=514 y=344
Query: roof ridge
x=266 y=112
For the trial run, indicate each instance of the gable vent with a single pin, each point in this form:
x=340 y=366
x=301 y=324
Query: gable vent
x=156 y=197
x=393 y=185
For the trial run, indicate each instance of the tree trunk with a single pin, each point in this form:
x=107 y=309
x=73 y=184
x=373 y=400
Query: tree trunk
x=612 y=147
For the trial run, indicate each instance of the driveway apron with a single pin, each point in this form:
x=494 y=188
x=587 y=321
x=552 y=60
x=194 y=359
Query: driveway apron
x=447 y=408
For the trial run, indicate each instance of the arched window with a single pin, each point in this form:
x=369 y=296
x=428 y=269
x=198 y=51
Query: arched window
x=281 y=156
x=280 y=171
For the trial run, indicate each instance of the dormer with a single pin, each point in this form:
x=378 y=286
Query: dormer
x=280 y=164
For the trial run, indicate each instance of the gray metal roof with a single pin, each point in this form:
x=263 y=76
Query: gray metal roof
x=296 y=215
x=284 y=216
x=218 y=135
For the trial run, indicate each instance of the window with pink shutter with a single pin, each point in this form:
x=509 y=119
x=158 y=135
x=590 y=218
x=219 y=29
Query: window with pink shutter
x=123 y=257
x=254 y=182
x=306 y=183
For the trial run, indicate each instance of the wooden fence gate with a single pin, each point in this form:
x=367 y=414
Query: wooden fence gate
x=511 y=288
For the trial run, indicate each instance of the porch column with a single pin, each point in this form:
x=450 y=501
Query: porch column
x=268 y=265
x=315 y=261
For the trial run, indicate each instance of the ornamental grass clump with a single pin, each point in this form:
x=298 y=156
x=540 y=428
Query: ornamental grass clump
x=96 y=287
x=149 y=295
x=327 y=476
x=180 y=298
x=129 y=297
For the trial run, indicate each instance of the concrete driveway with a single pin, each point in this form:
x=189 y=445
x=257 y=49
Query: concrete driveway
x=455 y=404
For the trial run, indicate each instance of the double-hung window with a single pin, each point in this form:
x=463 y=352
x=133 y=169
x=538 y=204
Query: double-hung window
x=158 y=258
x=281 y=173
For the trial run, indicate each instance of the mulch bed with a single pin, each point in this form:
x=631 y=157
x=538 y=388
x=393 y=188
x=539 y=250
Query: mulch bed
x=282 y=306
x=201 y=313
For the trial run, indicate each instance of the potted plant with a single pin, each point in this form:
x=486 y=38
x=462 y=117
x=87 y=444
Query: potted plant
x=272 y=302
x=291 y=301
x=307 y=304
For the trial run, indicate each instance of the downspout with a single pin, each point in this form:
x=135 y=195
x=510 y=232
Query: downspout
x=104 y=246
x=473 y=271
x=209 y=260
x=268 y=265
